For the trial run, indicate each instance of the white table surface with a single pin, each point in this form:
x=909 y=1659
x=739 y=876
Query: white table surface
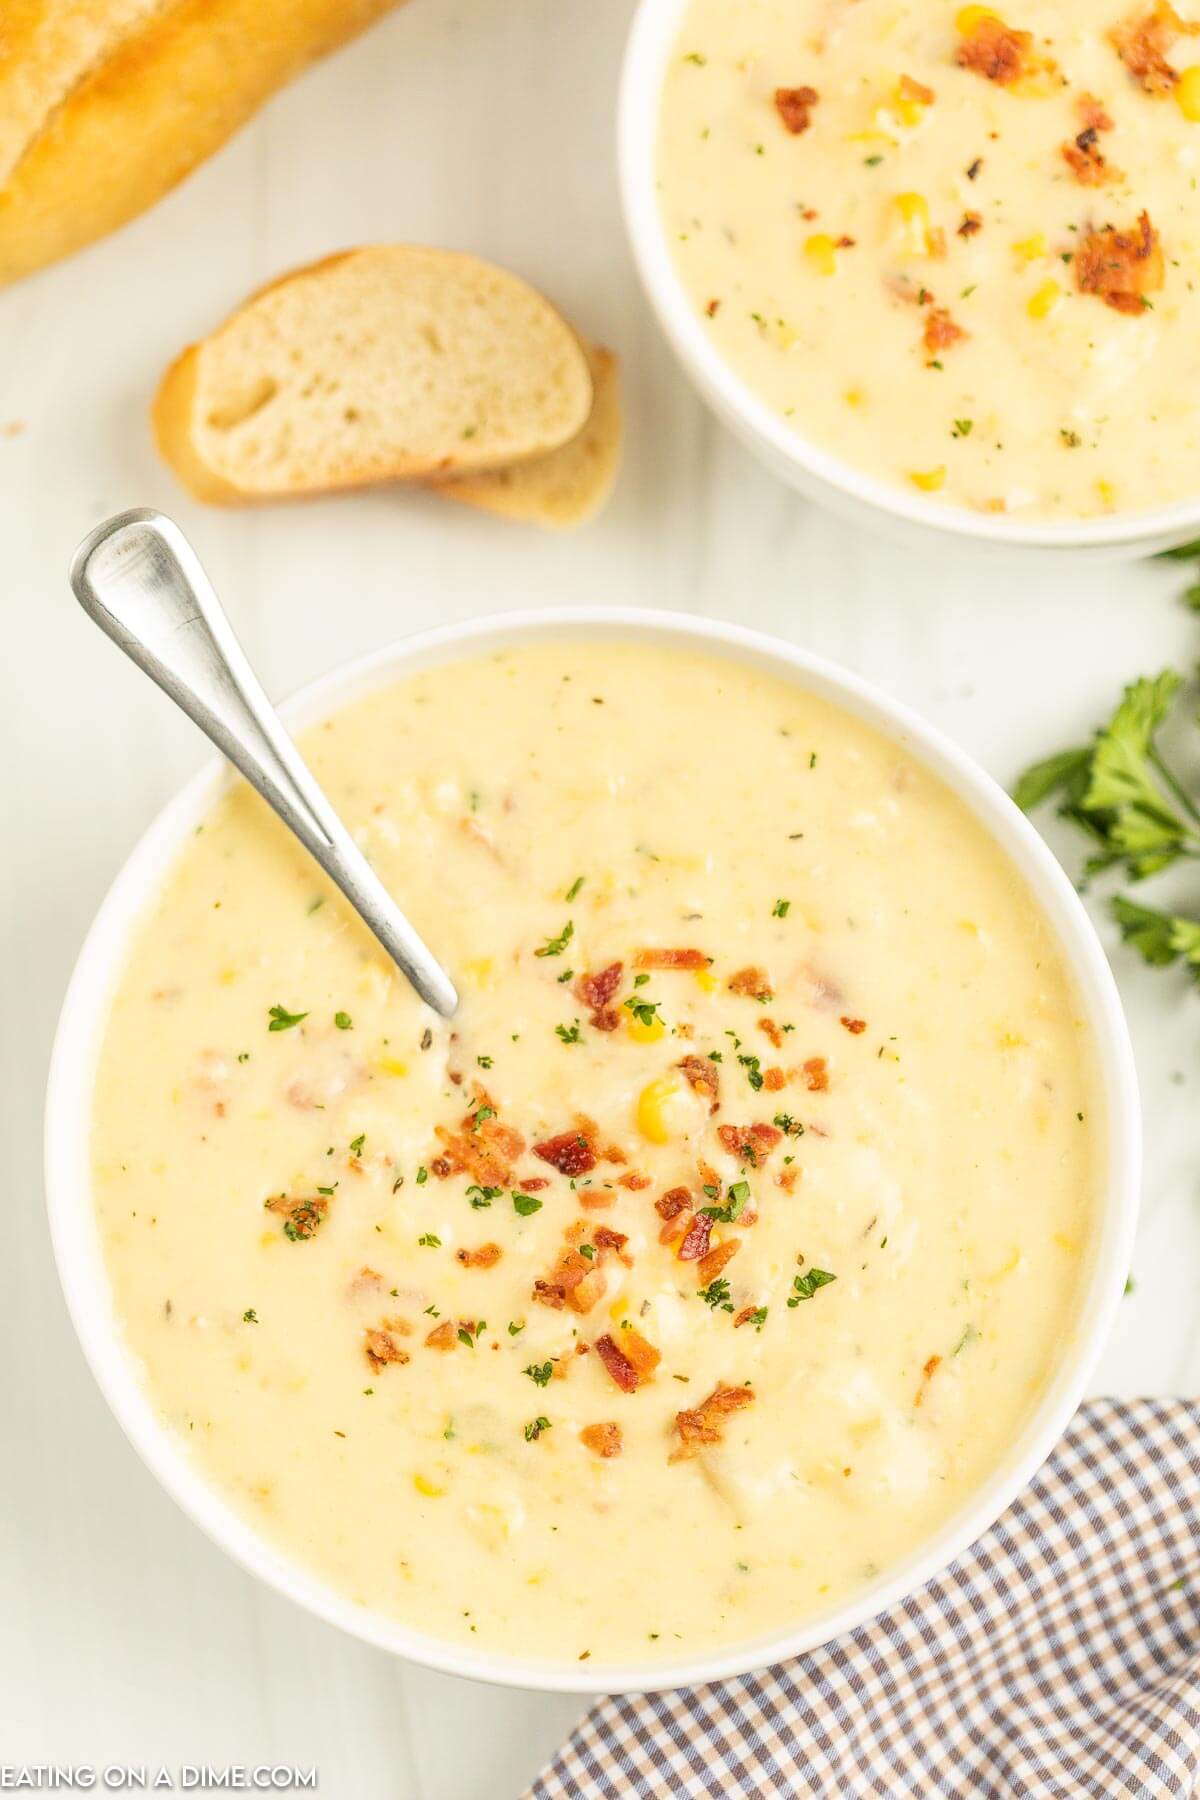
x=484 y=124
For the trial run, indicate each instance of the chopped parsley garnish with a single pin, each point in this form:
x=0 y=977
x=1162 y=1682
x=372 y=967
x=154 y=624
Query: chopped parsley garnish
x=781 y=909
x=588 y=1250
x=315 y=905
x=535 y=1428
x=484 y=1062
x=805 y=1286
x=790 y=1127
x=716 y=1295
x=428 y=1241
x=422 y=1176
x=482 y=1196
x=962 y=428
x=570 y=1034
x=556 y=945
x=758 y=1317
x=249 y=1317
x=525 y=1204
x=573 y=890
x=644 y=1011
x=303 y=1221
x=481 y=1116
x=282 y=1020
x=343 y=1021
x=640 y=980
x=515 y=1327
x=469 y=1335
x=539 y=1373
x=734 y=1206
x=356 y=1144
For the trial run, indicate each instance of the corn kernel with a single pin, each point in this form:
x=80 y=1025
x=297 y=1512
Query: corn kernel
x=854 y=397
x=928 y=480
x=970 y=18
x=644 y=1031
x=909 y=100
x=912 y=222
x=821 y=252
x=227 y=977
x=1069 y=1244
x=1187 y=94
x=391 y=1065
x=1030 y=248
x=1107 y=492
x=430 y=1489
x=653 y=1108
x=1044 y=302
x=478 y=971
x=706 y=981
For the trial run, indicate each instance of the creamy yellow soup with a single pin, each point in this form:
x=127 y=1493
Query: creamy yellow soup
x=957 y=248
x=714 y=1253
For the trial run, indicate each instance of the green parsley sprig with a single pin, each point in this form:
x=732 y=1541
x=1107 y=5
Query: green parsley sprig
x=1136 y=812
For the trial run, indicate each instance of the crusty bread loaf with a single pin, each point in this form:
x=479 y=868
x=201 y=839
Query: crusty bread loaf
x=106 y=104
x=381 y=364
x=565 y=487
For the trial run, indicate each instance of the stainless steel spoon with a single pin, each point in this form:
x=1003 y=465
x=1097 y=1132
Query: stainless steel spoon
x=140 y=580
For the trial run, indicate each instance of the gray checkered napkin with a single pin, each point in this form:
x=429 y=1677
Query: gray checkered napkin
x=1058 y=1659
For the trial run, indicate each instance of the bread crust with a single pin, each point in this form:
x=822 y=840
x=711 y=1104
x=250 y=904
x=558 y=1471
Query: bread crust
x=165 y=86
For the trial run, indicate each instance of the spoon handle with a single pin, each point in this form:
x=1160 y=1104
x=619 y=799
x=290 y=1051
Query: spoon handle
x=139 y=579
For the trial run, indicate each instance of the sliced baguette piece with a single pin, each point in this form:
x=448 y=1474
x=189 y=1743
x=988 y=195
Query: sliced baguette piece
x=565 y=487
x=106 y=104
x=387 y=363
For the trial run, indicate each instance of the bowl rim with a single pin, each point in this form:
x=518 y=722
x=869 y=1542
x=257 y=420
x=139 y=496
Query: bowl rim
x=85 y=1010
x=652 y=34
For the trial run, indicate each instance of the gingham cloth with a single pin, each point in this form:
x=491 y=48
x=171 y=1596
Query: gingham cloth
x=1058 y=1659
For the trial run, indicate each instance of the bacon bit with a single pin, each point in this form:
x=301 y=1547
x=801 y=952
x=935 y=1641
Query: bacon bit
x=595 y=1199
x=1093 y=114
x=927 y=1374
x=532 y=1184
x=483 y=1149
x=1121 y=266
x=1087 y=161
x=702 y=1075
x=712 y=309
x=854 y=1026
x=745 y=1316
x=971 y=223
x=787 y=1179
x=753 y=1143
x=367 y=1281
x=673 y=1229
x=596 y=991
x=794 y=106
x=695 y=1243
x=634 y=1180
x=940 y=330
x=710 y=1266
x=845 y=243
x=575 y=1280
x=704 y=1425
x=996 y=51
x=381 y=1349
x=774 y=1079
x=673 y=1202
x=617 y=1364
x=486 y=1257
x=602 y=1440
x=640 y=1352
x=443 y=1336
x=571 y=1153
x=770 y=1030
x=1142 y=41
x=816 y=1075
x=752 y=982
x=301 y=1215
x=605 y=1238
x=915 y=90
x=671 y=959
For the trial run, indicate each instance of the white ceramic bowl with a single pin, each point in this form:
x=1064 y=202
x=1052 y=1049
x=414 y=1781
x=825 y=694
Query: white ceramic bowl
x=861 y=498
x=77 y=1246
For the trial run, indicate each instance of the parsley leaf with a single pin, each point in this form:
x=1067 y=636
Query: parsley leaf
x=524 y=1204
x=556 y=945
x=805 y=1286
x=282 y=1020
x=539 y=1373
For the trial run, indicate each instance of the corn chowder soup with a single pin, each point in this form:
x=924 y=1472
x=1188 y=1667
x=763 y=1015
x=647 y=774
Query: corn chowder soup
x=711 y=1256
x=958 y=250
